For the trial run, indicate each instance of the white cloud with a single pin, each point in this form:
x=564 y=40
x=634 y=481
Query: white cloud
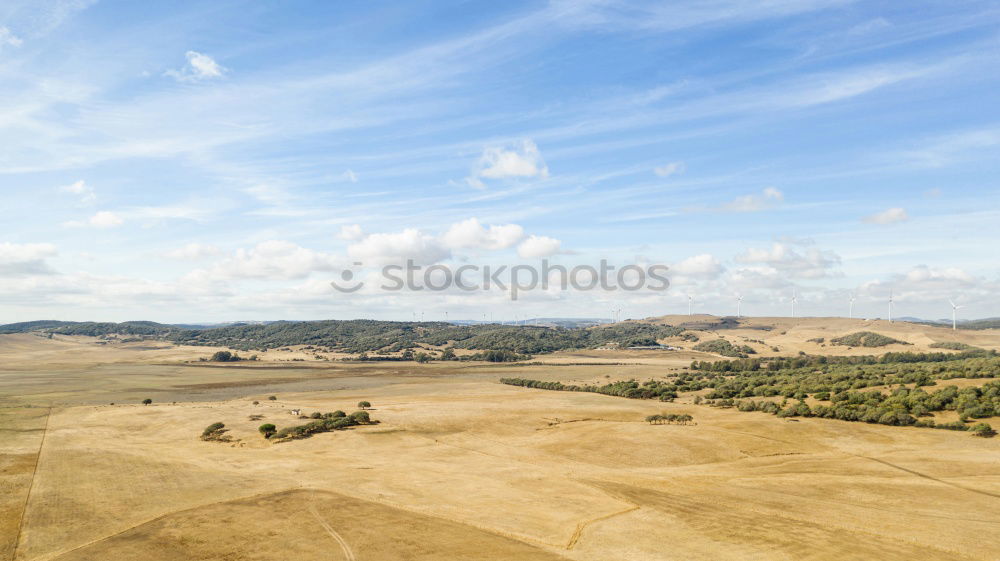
x=928 y=284
x=351 y=232
x=539 y=246
x=199 y=67
x=522 y=159
x=105 y=219
x=270 y=260
x=758 y=278
x=193 y=251
x=8 y=39
x=470 y=234
x=385 y=248
x=704 y=266
x=764 y=200
x=805 y=262
x=101 y=219
x=25 y=259
x=80 y=188
x=349 y=175
x=889 y=216
x=673 y=168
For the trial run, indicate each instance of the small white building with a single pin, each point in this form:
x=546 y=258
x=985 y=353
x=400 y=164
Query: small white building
x=296 y=412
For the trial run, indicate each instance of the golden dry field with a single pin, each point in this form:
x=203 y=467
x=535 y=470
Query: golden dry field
x=462 y=467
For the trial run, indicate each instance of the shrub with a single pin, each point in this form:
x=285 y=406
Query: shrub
x=272 y=398
x=215 y=432
x=147 y=401
x=360 y=417
x=983 y=430
x=214 y=427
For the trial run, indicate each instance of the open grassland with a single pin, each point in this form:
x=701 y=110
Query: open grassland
x=462 y=467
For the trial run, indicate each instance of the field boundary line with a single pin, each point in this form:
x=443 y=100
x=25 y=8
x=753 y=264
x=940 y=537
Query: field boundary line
x=31 y=485
x=578 y=533
x=53 y=555
x=344 y=546
x=932 y=478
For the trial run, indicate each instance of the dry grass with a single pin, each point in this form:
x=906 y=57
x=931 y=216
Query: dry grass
x=460 y=468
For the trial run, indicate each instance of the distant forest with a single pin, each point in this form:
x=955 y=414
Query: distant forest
x=370 y=336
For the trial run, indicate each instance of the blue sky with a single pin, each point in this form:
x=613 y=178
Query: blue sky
x=193 y=161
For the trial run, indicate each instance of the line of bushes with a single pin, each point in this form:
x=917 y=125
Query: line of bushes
x=651 y=389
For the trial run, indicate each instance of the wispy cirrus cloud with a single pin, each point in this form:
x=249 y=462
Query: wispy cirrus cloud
x=887 y=216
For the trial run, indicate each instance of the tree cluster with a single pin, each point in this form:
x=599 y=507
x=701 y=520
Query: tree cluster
x=669 y=419
x=902 y=407
x=725 y=348
x=323 y=422
x=866 y=339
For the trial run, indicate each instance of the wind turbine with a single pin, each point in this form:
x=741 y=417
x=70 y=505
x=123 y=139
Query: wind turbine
x=690 y=303
x=851 y=313
x=739 y=304
x=794 y=300
x=954 y=319
x=890 y=305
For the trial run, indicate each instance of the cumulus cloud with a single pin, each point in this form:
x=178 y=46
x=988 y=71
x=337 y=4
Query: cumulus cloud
x=101 y=219
x=518 y=160
x=82 y=190
x=270 y=260
x=351 y=232
x=105 y=219
x=426 y=248
x=25 y=259
x=673 y=168
x=758 y=278
x=199 y=67
x=888 y=216
x=764 y=200
x=799 y=262
x=470 y=234
x=704 y=266
x=539 y=246
x=398 y=247
x=923 y=282
x=192 y=252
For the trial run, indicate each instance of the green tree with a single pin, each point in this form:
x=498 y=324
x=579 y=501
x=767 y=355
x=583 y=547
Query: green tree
x=267 y=429
x=224 y=356
x=364 y=405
